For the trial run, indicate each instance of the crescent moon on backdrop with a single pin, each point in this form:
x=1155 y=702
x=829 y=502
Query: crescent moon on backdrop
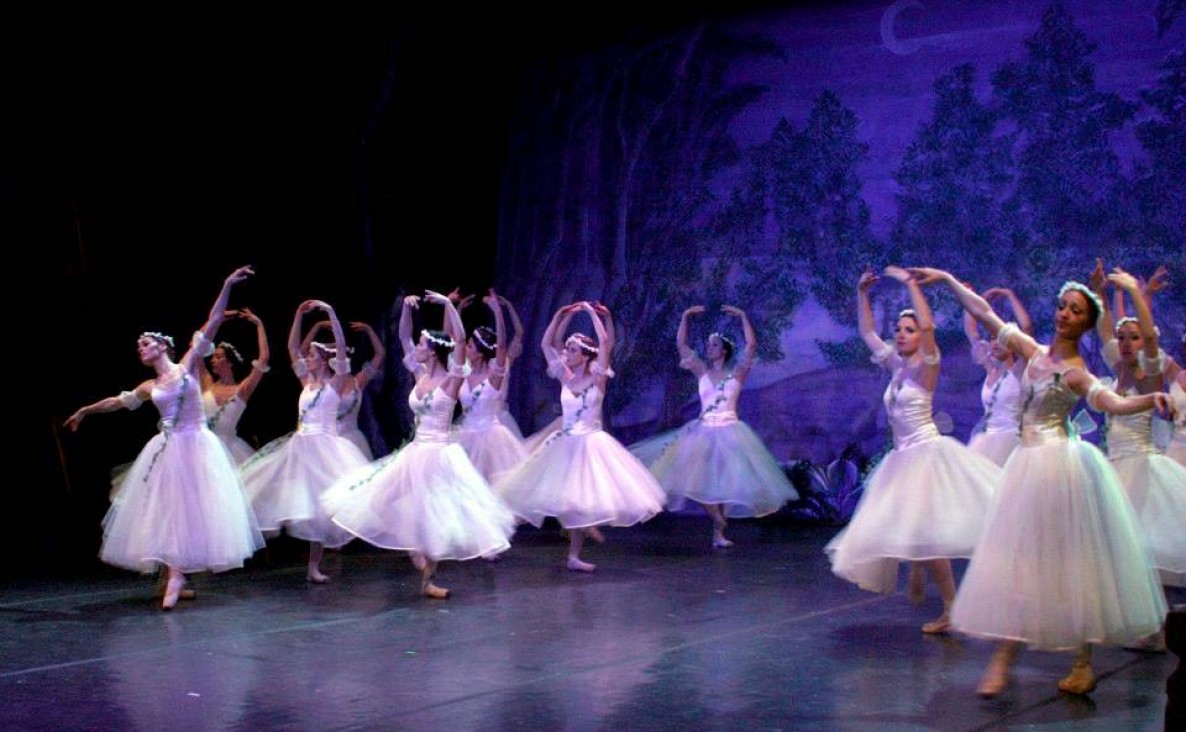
x=899 y=46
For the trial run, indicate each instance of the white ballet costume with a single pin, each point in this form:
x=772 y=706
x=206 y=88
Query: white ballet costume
x=348 y=409
x=223 y=420
x=1155 y=483
x=492 y=447
x=1060 y=562
x=425 y=498
x=286 y=477
x=718 y=459
x=1000 y=428
x=580 y=474
x=926 y=499
x=181 y=503
x=504 y=411
x=1177 y=445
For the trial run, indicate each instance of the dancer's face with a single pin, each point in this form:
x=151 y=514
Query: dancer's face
x=1073 y=316
x=906 y=336
x=714 y=349
x=472 y=353
x=1129 y=339
x=1000 y=352
x=574 y=357
x=219 y=363
x=149 y=349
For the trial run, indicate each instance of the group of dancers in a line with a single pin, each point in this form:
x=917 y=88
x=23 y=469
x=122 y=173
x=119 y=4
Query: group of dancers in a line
x=1065 y=543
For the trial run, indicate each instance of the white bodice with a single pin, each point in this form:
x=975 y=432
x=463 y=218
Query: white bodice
x=1002 y=403
x=1047 y=402
x=1129 y=434
x=908 y=406
x=718 y=401
x=318 y=410
x=180 y=404
x=348 y=408
x=223 y=418
x=581 y=410
x=480 y=405
x=434 y=415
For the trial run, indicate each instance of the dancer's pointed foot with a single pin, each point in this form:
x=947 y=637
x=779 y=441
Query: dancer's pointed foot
x=316 y=577
x=576 y=565
x=428 y=589
x=720 y=542
x=993 y=681
x=1153 y=643
x=1081 y=679
x=172 y=592
x=941 y=624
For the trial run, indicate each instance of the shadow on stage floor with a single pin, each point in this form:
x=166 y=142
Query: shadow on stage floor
x=668 y=634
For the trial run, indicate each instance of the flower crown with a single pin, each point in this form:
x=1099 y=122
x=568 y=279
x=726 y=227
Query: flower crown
x=226 y=346
x=158 y=337
x=582 y=343
x=328 y=349
x=1085 y=291
x=907 y=313
x=445 y=342
x=723 y=339
x=482 y=341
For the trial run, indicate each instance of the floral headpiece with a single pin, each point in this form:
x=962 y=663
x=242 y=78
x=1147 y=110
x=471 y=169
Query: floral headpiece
x=328 y=349
x=1085 y=291
x=158 y=337
x=723 y=339
x=482 y=341
x=582 y=342
x=445 y=342
x=226 y=346
x=907 y=313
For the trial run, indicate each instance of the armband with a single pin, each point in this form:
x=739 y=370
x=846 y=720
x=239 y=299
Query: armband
x=202 y=345
x=300 y=367
x=129 y=400
x=263 y=368
x=340 y=365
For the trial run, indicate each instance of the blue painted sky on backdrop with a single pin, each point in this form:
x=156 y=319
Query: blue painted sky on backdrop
x=882 y=59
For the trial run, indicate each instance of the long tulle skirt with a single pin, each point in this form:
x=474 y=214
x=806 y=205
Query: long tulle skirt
x=494 y=451
x=1156 y=487
x=926 y=501
x=359 y=440
x=723 y=464
x=1060 y=562
x=426 y=498
x=996 y=446
x=181 y=504
x=583 y=480
x=286 y=478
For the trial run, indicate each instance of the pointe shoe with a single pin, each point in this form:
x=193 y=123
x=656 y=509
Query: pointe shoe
x=941 y=624
x=994 y=681
x=595 y=534
x=1081 y=680
x=316 y=577
x=576 y=565
x=172 y=593
x=720 y=542
x=428 y=589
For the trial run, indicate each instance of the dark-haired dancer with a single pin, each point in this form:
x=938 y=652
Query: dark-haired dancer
x=225 y=397
x=925 y=502
x=182 y=506
x=1000 y=394
x=1060 y=564
x=717 y=460
x=427 y=499
x=580 y=474
x=286 y=478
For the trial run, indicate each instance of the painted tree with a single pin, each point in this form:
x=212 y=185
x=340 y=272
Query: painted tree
x=1160 y=191
x=952 y=180
x=1068 y=195
x=610 y=189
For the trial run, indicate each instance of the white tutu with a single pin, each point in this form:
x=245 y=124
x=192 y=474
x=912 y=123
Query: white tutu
x=426 y=498
x=586 y=479
x=722 y=462
x=181 y=503
x=492 y=447
x=996 y=446
x=1156 y=487
x=924 y=501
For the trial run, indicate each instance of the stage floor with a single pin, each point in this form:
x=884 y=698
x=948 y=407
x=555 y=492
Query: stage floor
x=668 y=634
